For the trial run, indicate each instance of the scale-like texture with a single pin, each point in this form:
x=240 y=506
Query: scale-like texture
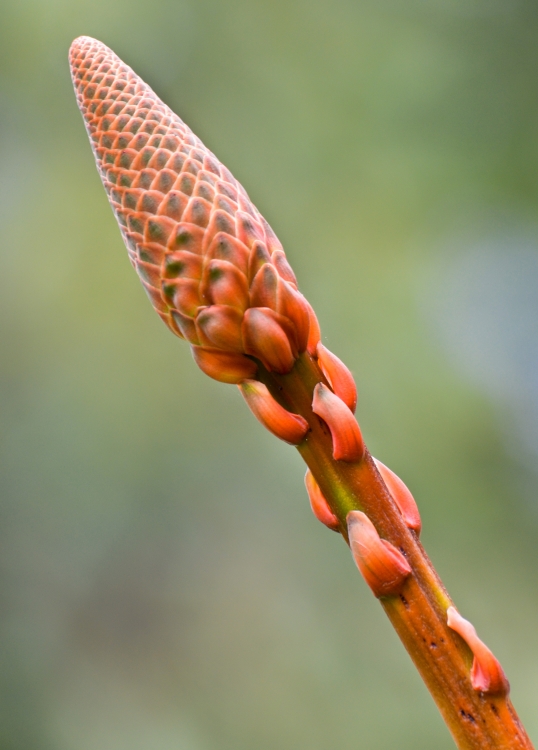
x=204 y=254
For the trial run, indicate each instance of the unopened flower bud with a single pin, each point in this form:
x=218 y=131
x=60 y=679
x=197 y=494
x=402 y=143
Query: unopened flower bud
x=348 y=444
x=220 y=326
x=319 y=504
x=287 y=426
x=224 y=366
x=401 y=496
x=314 y=333
x=264 y=287
x=383 y=567
x=487 y=675
x=284 y=269
x=339 y=377
x=224 y=284
x=266 y=335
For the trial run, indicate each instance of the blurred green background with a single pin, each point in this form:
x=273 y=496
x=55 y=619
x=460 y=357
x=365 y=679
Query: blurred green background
x=164 y=584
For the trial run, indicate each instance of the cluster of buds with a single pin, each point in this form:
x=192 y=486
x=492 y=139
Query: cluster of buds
x=211 y=265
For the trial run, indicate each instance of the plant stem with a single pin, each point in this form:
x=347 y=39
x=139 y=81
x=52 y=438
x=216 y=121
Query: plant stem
x=419 y=614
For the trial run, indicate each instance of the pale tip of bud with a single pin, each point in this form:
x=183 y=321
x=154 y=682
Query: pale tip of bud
x=383 y=567
x=319 y=504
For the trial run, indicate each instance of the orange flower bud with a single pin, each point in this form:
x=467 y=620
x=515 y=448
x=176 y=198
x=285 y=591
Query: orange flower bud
x=338 y=375
x=287 y=426
x=183 y=263
x=264 y=287
x=401 y=496
x=265 y=335
x=314 y=333
x=225 y=247
x=294 y=306
x=259 y=255
x=487 y=675
x=186 y=327
x=348 y=444
x=383 y=567
x=220 y=326
x=225 y=367
x=224 y=284
x=284 y=269
x=319 y=505
x=186 y=296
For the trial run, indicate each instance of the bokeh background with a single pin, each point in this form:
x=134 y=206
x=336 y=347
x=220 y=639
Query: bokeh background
x=164 y=584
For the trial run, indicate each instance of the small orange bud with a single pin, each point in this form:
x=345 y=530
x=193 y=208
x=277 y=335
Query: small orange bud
x=267 y=336
x=225 y=367
x=259 y=255
x=383 y=567
x=314 y=333
x=287 y=426
x=220 y=326
x=186 y=296
x=284 y=269
x=348 y=444
x=183 y=263
x=319 y=505
x=401 y=496
x=294 y=306
x=338 y=375
x=487 y=675
x=224 y=284
x=264 y=287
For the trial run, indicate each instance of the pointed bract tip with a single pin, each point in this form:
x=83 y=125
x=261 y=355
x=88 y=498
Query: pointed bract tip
x=318 y=503
x=383 y=567
x=487 y=675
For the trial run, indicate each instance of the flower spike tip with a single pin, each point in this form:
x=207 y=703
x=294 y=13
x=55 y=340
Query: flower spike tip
x=383 y=567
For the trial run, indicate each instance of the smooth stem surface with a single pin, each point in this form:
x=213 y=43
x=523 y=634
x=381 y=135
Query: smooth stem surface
x=418 y=614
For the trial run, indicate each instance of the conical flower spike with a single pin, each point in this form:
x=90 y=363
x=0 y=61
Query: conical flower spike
x=192 y=233
x=287 y=426
x=348 y=444
x=383 y=567
x=319 y=505
x=338 y=375
x=487 y=675
x=401 y=496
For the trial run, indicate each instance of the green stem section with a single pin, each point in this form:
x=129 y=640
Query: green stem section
x=477 y=721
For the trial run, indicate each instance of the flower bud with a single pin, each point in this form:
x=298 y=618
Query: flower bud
x=293 y=306
x=383 y=567
x=319 y=505
x=287 y=426
x=225 y=367
x=224 y=284
x=314 y=333
x=266 y=335
x=183 y=263
x=487 y=675
x=284 y=269
x=185 y=295
x=348 y=444
x=264 y=287
x=339 y=377
x=401 y=496
x=220 y=326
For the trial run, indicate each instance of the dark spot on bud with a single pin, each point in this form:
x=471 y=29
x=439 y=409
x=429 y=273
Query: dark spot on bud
x=186 y=184
x=404 y=601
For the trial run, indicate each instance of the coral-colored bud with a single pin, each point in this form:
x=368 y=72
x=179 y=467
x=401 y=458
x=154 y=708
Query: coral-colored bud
x=183 y=263
x=259 y=255
x=314 y=333
x=348 y=444
x=339 y=377
x=487 y=675
x=284 y=269
x=294 y=306
x=225 y=367
x=224 y=284
x=319 y=504
x=287 y=426
x=266 y=335
x=264 y=287
x=401 y=496
x=220 y=326
x=383 y=567
x=186 y=296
